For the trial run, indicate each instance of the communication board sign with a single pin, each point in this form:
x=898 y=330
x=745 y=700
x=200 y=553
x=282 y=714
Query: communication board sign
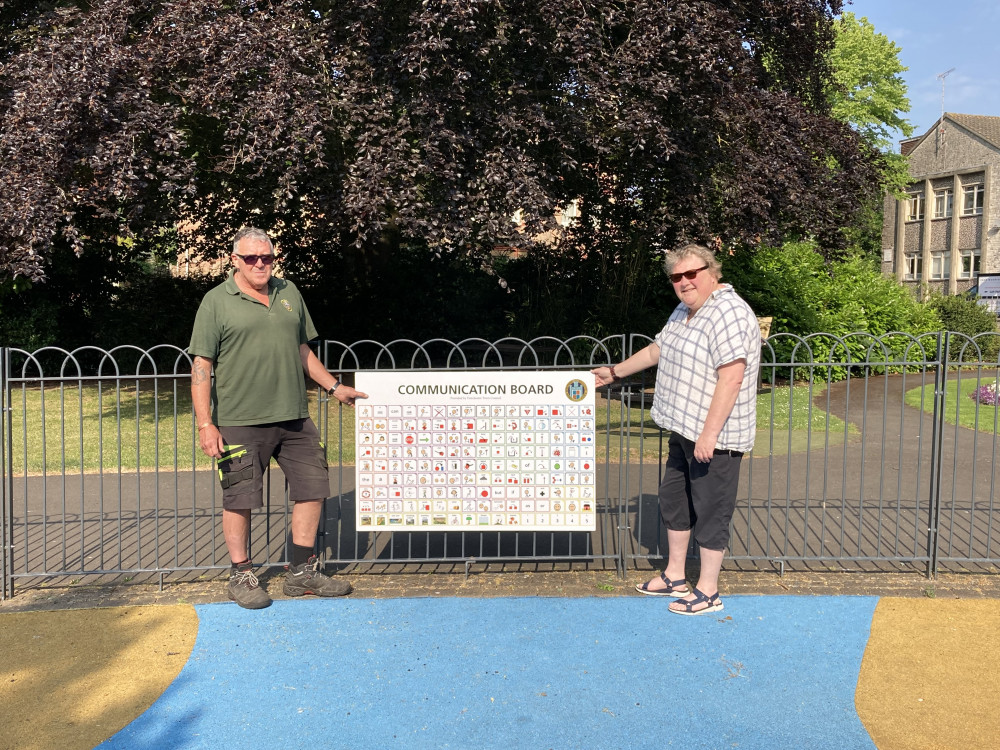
x=476 y=451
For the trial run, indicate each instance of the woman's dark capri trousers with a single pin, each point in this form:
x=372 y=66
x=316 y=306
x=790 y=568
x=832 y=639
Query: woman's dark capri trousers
x=699 y=495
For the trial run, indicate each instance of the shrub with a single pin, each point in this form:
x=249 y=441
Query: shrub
x=964 y=315
x=806 y=295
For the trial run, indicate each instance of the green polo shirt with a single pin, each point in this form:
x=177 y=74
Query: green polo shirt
x=255 y=351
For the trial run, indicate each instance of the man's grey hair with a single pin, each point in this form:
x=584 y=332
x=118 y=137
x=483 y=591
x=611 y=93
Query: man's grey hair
x=254 y=234
x=701 y=252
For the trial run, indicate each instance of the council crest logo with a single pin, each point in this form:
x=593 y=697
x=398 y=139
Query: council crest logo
x=576 y=390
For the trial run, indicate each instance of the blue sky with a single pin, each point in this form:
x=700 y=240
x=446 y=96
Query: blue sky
x=936 y=36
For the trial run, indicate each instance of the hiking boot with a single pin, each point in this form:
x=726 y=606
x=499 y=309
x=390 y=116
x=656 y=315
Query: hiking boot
x=245 y=590
x=306 y=579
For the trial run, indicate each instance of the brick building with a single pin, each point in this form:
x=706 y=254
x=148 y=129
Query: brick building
x=945 y=232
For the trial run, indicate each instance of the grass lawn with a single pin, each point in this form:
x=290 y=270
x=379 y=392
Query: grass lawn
x=960 y=408
x=91 y=428
x=87 y=427
x=798 y=425
x=788 y=421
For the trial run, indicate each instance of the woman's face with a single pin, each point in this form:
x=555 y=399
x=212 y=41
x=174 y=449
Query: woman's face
x=693 y=291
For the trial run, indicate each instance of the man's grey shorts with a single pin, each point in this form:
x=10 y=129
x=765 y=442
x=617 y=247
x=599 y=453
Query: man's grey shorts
x=294 y=444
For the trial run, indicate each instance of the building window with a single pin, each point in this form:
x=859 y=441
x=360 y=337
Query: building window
x=914 y=267
x=569 y=214
x=940 y=265
x=970 y=264
x=943 y=200
x=915 y=208
x=972 y=199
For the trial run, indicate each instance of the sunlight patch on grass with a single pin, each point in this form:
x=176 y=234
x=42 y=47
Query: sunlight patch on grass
x=144 y=426
x=132 y=428
x=789 y=421
x=798 y=425
x=960 y=408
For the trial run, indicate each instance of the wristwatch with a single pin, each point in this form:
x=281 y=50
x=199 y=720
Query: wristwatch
x=332 y=388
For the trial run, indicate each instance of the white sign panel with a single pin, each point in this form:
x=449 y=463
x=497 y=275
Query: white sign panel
x=989 y=291
x=989 y=285
x=476 y=451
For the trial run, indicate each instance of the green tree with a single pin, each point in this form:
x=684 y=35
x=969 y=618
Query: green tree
x=805 y=295
x=339 y=122
x=868 y=91
x=976 y=324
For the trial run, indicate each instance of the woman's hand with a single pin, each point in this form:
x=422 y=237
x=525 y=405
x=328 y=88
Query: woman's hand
x=603 y=376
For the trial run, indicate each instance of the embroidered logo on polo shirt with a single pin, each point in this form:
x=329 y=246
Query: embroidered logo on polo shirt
x=287 y=306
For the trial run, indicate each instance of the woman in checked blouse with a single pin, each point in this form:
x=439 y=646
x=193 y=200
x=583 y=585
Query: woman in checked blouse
x=707 y=358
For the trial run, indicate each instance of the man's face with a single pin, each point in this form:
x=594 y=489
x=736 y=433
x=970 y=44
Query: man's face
x=249 y=261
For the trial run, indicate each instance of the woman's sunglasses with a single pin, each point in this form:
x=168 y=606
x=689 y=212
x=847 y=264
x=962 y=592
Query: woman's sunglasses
x=689 y=275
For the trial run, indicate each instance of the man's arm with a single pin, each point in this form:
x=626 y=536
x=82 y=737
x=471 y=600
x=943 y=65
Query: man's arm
x=211 y=441
x=319 y=375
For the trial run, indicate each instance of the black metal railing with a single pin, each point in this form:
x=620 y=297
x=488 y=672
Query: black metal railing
x=871 y=453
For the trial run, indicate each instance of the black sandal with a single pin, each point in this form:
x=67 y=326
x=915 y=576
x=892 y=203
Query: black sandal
x=714 y=604
x=672 y=589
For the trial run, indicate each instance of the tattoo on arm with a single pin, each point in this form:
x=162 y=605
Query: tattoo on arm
x=200 y=372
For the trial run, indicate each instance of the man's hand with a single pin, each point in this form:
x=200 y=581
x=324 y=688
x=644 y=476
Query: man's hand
x=347 y=395
x=211 y=441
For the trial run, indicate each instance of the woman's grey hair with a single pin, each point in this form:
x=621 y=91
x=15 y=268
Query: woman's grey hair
x=253 y=233
x=701 y=252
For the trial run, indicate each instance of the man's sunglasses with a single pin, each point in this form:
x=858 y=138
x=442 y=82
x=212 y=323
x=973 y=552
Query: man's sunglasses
x=689 y=275
x=251 y=260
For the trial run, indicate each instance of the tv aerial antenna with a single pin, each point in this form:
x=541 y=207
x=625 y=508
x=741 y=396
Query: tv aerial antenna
x=940 y=132
x=941 y=77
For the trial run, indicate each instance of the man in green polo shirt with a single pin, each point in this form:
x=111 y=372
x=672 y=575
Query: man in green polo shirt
x=254 y=331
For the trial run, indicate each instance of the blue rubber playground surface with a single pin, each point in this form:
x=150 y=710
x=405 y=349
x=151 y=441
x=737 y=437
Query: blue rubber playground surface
x=765 y=673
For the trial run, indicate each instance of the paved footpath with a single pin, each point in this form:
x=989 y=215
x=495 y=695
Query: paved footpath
x=508 y=660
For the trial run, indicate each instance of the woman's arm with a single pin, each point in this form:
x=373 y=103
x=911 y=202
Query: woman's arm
x=727 y=388
x=639 y=361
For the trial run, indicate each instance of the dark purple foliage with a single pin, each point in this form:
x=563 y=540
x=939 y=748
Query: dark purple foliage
x=339 y=124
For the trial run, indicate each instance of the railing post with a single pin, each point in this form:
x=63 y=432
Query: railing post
x=937 y=459
x=621 y=507
x=6 y=481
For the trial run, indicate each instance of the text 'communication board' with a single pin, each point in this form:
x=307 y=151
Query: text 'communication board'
x=476 y=451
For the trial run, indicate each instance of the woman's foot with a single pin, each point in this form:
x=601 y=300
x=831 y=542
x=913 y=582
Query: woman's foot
x=697 y=603
x=663 y=586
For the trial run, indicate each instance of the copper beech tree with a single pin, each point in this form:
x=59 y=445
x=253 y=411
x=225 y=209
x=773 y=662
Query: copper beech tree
x=342 y=124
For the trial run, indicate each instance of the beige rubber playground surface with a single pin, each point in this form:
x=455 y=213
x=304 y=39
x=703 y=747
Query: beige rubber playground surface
x=930 y=675
x=73 y=678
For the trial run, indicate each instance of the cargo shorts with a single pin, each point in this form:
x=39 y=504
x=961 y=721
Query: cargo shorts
x=296 y=447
